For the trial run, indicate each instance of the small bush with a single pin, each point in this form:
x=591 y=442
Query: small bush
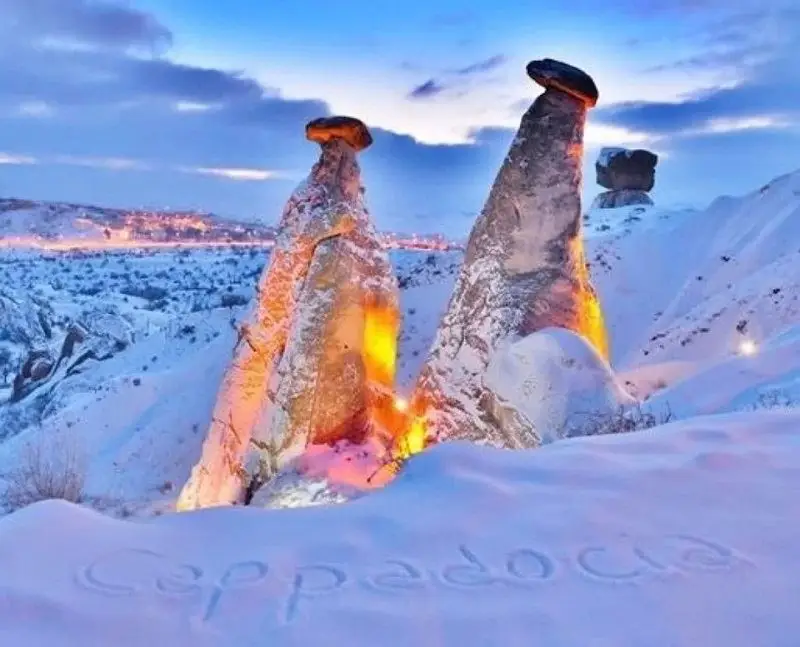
x=620 y=421
x=775 y=399
x=42 y=473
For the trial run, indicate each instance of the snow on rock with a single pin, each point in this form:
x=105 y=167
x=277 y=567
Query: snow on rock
x=682 y=535
x=326 y=474
x=25 y=330
x=303 y=365
x=524 y=268
x=621 y=198
x=551 y=385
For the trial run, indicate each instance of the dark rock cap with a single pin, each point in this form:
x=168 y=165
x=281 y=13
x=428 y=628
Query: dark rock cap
x=350 y=129
x=560 y=76
x=622 y=169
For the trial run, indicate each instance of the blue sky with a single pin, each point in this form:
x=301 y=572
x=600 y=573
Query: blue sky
x=202 y=103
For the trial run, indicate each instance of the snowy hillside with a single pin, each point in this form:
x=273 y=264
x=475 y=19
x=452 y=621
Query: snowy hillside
x=699 y=293
x=681 y=292
x=139 y=415
x=703 y=313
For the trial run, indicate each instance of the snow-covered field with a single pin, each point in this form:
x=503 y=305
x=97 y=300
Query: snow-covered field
x=681 y=536
x=678 y=535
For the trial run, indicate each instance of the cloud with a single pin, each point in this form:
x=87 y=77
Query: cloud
x=110 y=163
x=456 y=80
x=239 y=174
x=16 y=160
x=96 y=23
x=765 y=94
x=426 y=90
x=36 y=109
x=486 y=65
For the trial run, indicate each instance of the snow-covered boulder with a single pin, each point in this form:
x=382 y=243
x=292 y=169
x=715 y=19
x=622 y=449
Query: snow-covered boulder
x=326 y=474
x=549 y=385
x=524 y=268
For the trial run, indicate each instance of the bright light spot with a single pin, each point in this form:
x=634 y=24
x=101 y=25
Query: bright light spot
x=747 y=347
x=401 y=404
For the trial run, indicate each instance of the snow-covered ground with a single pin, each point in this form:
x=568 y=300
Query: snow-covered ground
x=679 y=536
x=676 y=535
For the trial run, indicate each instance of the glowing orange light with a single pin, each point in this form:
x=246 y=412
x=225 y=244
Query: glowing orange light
x=590 y=321
x=401 y=404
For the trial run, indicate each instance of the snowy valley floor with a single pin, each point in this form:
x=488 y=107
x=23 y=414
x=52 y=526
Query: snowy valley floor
x=681 y=536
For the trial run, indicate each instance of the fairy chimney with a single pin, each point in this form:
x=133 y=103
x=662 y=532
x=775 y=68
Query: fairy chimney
x=317 y=352
x=524 y=268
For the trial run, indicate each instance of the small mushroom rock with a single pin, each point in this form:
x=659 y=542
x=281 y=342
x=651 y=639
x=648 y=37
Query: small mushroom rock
x=524 y=267
x=627 y=174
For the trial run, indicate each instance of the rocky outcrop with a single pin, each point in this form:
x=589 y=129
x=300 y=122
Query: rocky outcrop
x=551 y=385
x=317 y=353
x=627 y=174
x=524 y=268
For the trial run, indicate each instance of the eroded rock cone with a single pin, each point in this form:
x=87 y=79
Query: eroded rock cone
x=524 y=268
x=303 y=368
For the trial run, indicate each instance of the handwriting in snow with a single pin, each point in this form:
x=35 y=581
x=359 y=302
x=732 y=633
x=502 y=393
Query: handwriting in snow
x=119 y=573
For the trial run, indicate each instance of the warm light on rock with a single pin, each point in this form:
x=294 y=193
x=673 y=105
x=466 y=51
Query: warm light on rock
x=524 y=269
x=316 y=361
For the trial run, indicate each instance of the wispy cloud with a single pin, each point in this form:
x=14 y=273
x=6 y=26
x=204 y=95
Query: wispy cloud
x=36 y=109
x=426 y=90
x=16 y=160
x=124 y=164
x=486 y=65
x=456 y=80
x=108 y=163
x=239 y=174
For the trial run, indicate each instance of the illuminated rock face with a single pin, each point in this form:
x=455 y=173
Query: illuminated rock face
x=309 y=365
x=524 y=268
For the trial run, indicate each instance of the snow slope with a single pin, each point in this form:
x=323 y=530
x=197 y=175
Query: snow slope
x=684 y=290
x=139 y=416
x=685 y=535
